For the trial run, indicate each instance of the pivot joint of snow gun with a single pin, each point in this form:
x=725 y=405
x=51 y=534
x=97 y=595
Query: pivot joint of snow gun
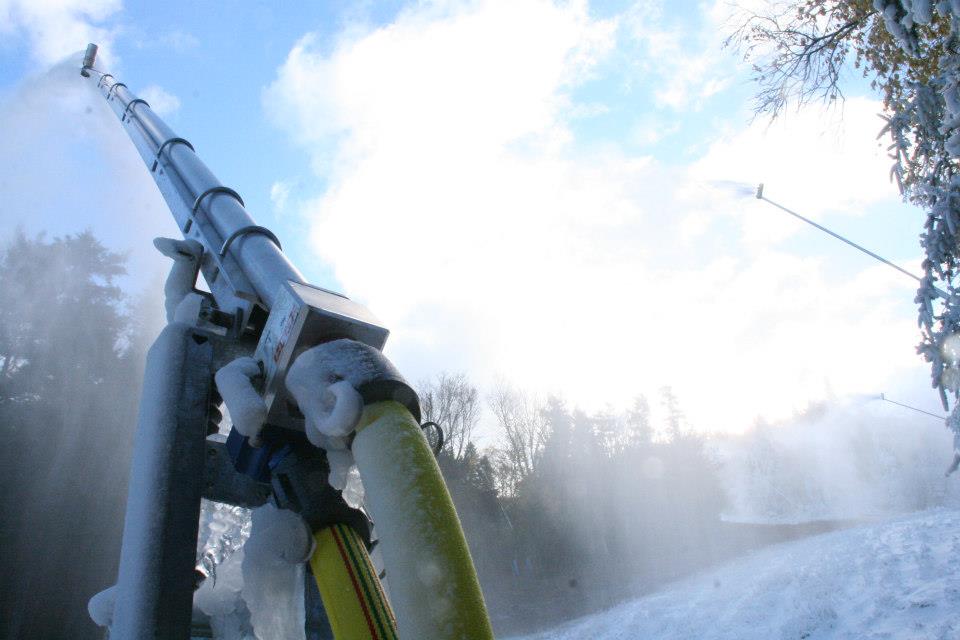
x=298 y=476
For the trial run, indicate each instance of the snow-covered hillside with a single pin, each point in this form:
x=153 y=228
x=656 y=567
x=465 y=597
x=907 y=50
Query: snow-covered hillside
x=896 y=579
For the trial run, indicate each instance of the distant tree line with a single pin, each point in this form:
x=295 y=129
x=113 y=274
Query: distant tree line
x=570 y=510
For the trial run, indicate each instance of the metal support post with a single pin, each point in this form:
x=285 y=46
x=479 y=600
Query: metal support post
x=156 y=577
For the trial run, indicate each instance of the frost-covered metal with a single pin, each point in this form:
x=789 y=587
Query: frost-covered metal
x=154 y=591
x=253 y=269
x=289 y=439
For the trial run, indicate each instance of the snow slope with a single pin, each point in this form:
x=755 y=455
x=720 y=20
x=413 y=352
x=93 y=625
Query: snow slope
x=896 y=579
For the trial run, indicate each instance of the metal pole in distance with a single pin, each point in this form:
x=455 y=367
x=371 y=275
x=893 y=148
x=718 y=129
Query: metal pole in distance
x=884 y=397
x=853 y=244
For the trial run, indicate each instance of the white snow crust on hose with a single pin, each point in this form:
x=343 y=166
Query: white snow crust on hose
x=331 y=410
x=331 y=407
x=247 y=409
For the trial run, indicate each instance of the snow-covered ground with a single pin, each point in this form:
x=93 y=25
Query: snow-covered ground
x=895 y=579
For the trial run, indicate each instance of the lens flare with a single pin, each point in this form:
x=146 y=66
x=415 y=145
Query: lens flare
x=950 y=349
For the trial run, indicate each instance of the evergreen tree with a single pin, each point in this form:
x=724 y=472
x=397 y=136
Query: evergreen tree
x=675 y=421
x=70 y=366
x=637 y=422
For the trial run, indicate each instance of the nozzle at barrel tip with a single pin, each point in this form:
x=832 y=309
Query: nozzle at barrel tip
x=760 y=191
x=89 y=57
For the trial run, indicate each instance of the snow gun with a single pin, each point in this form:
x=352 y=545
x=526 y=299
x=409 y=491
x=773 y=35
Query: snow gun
x=309 y=393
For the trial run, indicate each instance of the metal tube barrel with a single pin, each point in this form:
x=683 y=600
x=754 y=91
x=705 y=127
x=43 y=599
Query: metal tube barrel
x=183 y=178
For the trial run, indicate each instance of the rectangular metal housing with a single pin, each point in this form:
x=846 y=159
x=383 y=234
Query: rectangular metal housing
x=304 y=316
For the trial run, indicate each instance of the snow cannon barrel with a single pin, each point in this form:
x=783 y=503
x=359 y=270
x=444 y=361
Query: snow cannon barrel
x=242 y=262
x=89 y=57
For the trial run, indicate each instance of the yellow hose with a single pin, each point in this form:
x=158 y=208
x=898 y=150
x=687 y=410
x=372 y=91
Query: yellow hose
x=349 y=587
x=433 y=584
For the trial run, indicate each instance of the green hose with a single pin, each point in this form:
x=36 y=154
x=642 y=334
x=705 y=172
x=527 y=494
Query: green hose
x=433 y=584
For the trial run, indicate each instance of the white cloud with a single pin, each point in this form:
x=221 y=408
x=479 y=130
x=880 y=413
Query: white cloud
x=57 y=28
x=162 y=102
x=815 y=161
x=279 y=194
x=179 y=41
x=439 y=77
x=457 y=207
x=174 y=41
x=685 y=60
x=650 y=128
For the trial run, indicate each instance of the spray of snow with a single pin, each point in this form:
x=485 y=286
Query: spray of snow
x=69 y=166
x=851 y=460
x=732 y=188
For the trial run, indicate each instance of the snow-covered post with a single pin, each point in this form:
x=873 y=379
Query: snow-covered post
x=154 y=593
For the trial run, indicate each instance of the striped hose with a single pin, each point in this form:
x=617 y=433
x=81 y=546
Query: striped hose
x=348 y=584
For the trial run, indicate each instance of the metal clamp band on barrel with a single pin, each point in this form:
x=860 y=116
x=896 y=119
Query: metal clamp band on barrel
x=114 y=86
x=103 y=76
x=170 y=141
x=218 y=189
x=242 y=231
x=128 y=109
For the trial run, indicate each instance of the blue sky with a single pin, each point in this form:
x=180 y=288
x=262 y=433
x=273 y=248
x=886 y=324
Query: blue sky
x=524 y=190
